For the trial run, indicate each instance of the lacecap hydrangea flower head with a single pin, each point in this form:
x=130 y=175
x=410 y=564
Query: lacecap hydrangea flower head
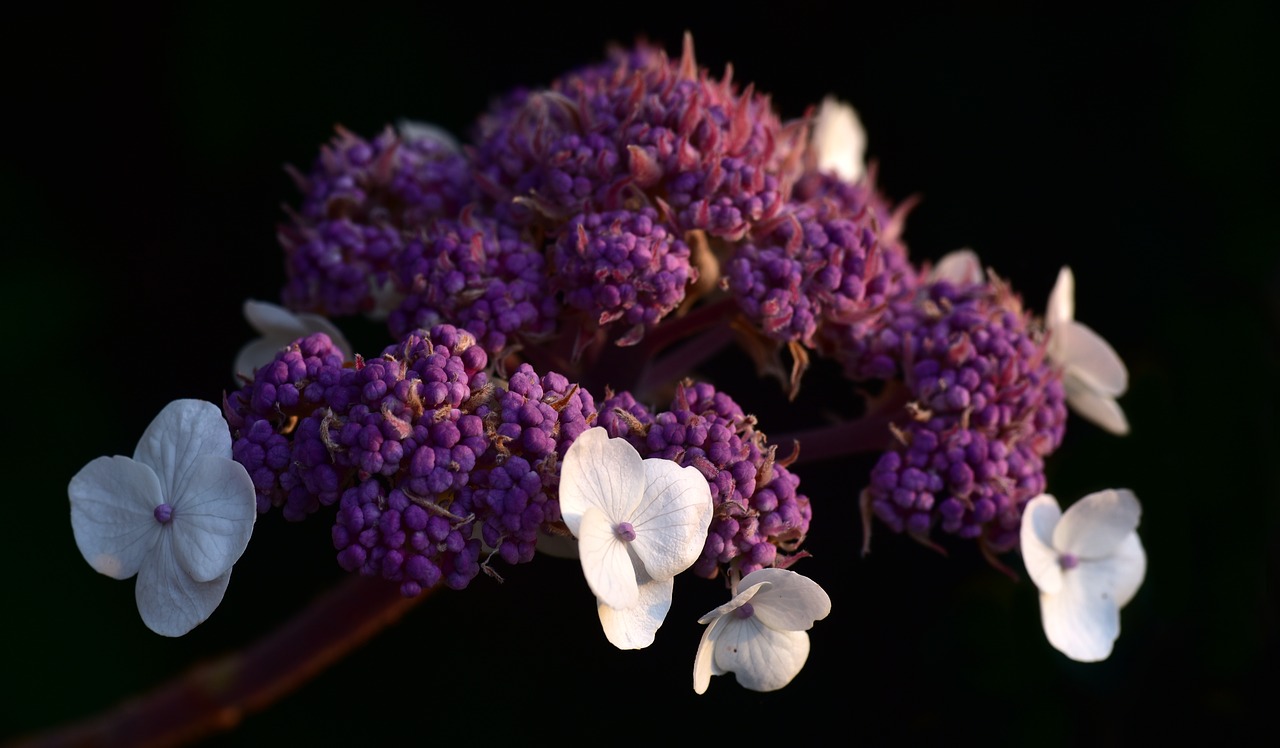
x=551 y=286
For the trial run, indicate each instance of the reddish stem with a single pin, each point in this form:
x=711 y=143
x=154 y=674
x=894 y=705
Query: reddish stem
x=214 y=696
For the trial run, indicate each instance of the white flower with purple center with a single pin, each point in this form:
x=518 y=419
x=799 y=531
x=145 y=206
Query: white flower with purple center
x=1092 y=373
x=1088 y=563
x=178 y=514
x=638 y=523
x=839 y=141
x=279 y=327
x=761 y=635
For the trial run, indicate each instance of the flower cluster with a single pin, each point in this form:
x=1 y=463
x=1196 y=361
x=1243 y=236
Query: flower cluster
x=544 y=286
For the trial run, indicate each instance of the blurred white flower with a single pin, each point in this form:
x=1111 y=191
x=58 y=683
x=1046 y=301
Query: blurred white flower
x=959 y=268
x=761 y=635
x=839 y=141
x=279 y=327
x=1087 y=563
x=178 y=514
x=409 y=129
x=1092 y=373
x=638 y=524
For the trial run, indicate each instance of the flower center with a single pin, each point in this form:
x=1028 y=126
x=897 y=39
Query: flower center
x=625 y=531
x=163 y=514
x=1068 y=561
x=744 y=611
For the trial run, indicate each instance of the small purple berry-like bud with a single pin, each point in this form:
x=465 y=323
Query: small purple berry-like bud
x=164 y=513
x=745 y=611
x=625 y=531
x=1067 y=561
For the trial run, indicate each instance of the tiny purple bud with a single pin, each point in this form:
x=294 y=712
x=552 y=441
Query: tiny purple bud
x=1068 y=561
x=163 y=514
x=625 y=531
x=745 y=611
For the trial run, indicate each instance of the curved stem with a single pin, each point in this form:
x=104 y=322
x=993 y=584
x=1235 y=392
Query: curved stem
x=214 y=696
x=868 y=433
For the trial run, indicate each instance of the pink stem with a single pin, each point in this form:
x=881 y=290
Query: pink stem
x=214 y=696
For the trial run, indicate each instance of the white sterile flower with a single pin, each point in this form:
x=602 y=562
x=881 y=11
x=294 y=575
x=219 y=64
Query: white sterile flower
x=761 y=635
x=1093 y=375
x=178 y=514
x=279 y=327
x=409 y=129
x=960 y=268
x=839 y=141
x=638 y=524
x=1088 y=563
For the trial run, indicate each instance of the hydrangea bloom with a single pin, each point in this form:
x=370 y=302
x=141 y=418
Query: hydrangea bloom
x=1093 y=375
x=761 y=634
x=178 y=514
x=638 y=523
x=279 y=327
x=1088 y=563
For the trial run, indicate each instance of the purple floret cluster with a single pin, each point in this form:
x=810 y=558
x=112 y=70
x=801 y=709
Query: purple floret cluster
x=361 y=200
x=984 y=409
x=530 y=425
x=638 y=202
x=622 y=268
x=760 y=517
x=477 y=273
x=427 y=461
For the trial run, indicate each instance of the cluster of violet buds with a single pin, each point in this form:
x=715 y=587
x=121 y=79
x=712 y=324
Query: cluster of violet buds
x=565 y=271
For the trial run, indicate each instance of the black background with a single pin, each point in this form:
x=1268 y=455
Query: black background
x=142 y=184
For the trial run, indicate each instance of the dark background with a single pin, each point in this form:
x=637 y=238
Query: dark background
x=142 y=183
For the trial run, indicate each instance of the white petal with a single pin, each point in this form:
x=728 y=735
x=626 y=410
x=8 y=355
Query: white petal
x=1083 y=619
x=672 y=518
x=703 y=661
x=742 y=598
x=213 y=516
x=761 y=658
x=790 y=602
x=1128 y=567
x=273 y=320
x=606 y=563
x=960 y=268
x=113 y=500
x=839 y=140
x=1094 y=526
x=635 y=627
x=1092 y=359
x=1062 y=300
x=255 y=354
x=183 y=430
x=1039 y=518
x=171 y=602
x=279 y=328
x=414 y=130
x=601 y=472
x=1101 y=410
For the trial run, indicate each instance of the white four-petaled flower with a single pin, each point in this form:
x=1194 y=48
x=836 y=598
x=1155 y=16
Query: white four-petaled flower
x=839 y=142
x=638 y=524
x=178 y=514
x=279 y=327
x=761 y=635
x=1087 y=563
x=1092 y=374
